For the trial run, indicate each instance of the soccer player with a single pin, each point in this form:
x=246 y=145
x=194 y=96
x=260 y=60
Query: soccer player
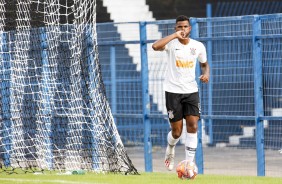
x=181 y=89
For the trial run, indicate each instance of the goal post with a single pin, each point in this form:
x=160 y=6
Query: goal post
x=54 y=114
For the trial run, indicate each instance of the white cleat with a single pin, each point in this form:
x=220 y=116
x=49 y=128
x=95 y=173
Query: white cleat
x=169 y=157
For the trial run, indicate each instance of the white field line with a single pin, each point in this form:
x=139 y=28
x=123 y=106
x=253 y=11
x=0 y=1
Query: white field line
x=49 y=181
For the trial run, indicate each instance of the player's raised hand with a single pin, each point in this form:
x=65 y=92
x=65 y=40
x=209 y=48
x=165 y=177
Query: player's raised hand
x=182 y=35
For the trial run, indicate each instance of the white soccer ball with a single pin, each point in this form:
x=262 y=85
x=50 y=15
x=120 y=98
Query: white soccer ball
x=186 y=170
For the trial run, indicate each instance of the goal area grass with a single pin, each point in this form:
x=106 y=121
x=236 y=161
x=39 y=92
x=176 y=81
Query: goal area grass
x=143 y=178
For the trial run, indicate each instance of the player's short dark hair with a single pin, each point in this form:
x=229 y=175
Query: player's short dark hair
x=182 y=18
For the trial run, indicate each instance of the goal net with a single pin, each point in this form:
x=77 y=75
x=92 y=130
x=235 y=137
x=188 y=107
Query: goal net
x=54 y=114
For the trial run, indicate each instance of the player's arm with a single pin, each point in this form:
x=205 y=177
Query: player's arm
x=160 y=44
x=205 y=68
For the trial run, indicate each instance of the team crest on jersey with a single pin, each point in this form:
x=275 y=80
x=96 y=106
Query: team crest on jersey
x=193 y=51
x=170 y=114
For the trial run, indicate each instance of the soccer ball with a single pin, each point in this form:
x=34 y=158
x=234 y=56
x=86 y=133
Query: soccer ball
x=186 y=170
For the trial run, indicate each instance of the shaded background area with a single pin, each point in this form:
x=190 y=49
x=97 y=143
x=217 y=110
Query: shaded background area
x=167 y=9
x=161 y=9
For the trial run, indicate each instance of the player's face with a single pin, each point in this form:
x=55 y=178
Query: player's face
x=183 y=26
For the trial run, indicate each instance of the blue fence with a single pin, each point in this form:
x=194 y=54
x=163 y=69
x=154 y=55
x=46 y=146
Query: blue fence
x=244 y=92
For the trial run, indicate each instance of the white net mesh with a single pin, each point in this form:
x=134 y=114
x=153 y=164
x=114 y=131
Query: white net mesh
x=53 y=111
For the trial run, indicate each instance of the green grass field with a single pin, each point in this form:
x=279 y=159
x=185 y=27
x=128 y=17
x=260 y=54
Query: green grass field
x=143 y=178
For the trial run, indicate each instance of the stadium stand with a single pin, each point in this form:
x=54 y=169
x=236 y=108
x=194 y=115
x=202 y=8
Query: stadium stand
x=102 y=12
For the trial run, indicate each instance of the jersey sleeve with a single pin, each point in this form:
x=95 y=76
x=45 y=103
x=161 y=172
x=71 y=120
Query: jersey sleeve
x=202 y=57
x=167 y=47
